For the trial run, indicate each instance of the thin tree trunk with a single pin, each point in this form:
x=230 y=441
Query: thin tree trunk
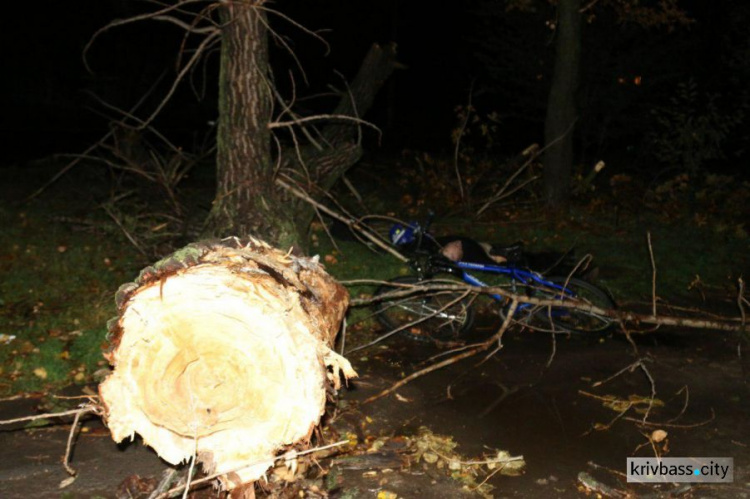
x=247 y=201
x=561 y=107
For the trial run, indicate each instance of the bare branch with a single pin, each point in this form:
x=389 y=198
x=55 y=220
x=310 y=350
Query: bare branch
x=533 y=152
x=479 y=347
x=318 y=117
x=410 y=324
x=130 y=20
x=653 y=273
x=298 y=26
x=187 y=27
x=351 y=223
x=458 y=142
x=207 y=42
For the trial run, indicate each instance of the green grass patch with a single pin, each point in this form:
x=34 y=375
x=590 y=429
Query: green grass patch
x=56 y=294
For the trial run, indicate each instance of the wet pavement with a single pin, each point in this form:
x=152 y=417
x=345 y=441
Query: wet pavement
x=513 y=401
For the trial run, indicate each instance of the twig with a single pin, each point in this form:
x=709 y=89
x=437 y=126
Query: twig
x=553 y=352
x=166 y=481
x=422 y=372
x=479 y=347
x=206 y=43
x=351 y=223
x=685 y=405
x=741 y=300
x=486 y=479
x=653 y=391
x=129 y=20
x=297 y=25
x=342 y=348
x=352 y=189
x=671 y=425
x=327 y=231
x=101 y=141
x=653 y=274
x=82 y=410
x=630 y=367
x=410 y=324
x=458 y=143
x=208 y=478
x=500 y=194
x=535 y=153
x=190 y=469
x=69 y=447
x=124 y=230
x=506 y=393
x=187 y=27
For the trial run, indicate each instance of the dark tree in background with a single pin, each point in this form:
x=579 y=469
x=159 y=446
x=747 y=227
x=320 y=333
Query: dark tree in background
x=561 y=106
x=568 y=58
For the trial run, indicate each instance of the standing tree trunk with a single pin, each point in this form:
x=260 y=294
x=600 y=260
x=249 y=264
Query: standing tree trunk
x=561 y=107
x=247 y=201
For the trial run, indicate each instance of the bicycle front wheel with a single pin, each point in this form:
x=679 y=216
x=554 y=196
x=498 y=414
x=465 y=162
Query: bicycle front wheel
x=576 y=320
x=554 y=319
x=425 y=315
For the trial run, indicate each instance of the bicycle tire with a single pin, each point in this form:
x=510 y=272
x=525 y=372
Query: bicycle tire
x=562 y=319
x=445 y=315
x=580 y=321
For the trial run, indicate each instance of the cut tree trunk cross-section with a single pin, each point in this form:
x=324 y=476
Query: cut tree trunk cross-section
x=223 y=350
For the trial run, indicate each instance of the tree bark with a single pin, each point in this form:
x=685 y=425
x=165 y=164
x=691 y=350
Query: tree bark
x=561 y=107
x=246 y=201
x=222 y=351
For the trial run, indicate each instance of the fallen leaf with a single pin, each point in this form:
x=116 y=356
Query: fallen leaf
x=658 y=435
x=386 y=494
x=40 y=372
x=401 y=398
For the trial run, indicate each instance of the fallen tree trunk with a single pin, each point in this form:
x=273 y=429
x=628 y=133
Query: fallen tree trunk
x=222 y=351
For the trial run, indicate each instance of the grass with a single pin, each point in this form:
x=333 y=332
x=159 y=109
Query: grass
x=684 y=254
x=55 y=295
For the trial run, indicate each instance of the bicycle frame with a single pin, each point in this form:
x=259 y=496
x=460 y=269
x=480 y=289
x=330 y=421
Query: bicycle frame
x=438 y=263
x=526 y=277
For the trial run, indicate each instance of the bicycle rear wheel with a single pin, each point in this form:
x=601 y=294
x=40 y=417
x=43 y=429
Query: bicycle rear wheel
x=425 y=315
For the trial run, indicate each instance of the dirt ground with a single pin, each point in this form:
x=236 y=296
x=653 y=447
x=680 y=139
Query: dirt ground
x=512 y=402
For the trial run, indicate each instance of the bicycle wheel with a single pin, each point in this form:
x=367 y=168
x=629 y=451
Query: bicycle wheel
x=579 y=321
x=562 y=319
x=432 y=315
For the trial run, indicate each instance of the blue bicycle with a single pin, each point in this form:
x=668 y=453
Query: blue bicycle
x=447 y=314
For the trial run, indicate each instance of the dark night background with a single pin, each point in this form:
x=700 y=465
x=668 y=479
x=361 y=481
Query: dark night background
x=664 y=105
x=448 y=48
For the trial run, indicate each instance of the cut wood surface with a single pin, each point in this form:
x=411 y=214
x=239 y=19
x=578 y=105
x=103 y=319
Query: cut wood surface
x=223 y=351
